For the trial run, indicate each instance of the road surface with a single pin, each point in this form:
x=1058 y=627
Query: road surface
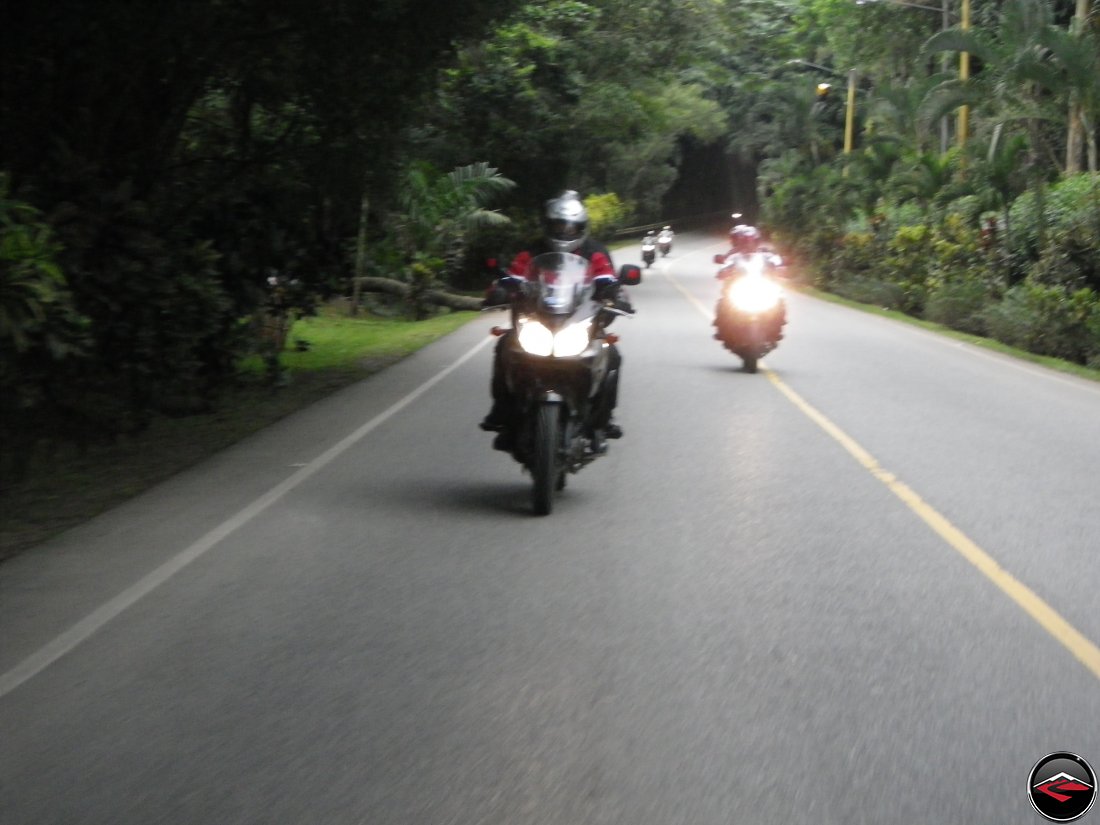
x=860 y=586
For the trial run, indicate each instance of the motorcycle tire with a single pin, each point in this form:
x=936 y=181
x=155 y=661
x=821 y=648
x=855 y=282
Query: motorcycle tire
x=544 y=469
x=750 y=363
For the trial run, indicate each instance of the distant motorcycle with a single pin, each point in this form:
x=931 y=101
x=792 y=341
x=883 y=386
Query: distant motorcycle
x=556 y=363
x=751 y=311
x=664 y=240
x=649 y=250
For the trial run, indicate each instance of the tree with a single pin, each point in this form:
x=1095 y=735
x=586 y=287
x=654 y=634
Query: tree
x=1019 y=81
x=183 y=154
x=587 y=95
x=1077 y=53
x=439 y=213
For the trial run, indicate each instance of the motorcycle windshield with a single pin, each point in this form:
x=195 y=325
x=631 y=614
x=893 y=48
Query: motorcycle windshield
x=564 y=282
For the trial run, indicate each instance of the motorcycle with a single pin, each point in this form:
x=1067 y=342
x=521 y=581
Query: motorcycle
x=555 y=363
x=751 y=311
x=664 y=241
x=649 y=250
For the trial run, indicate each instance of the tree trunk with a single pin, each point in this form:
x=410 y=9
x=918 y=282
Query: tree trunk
x=360 y=254
x=1075 y=136
x=1074 y=142
x=433 y=296
x=1090 y=141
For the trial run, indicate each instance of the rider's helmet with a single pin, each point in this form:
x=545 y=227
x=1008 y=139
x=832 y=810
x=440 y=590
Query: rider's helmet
x=744 y=238
x=566 y=221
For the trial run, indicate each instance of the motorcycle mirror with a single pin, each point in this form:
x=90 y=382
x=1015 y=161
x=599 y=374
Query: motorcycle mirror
x=630 y=275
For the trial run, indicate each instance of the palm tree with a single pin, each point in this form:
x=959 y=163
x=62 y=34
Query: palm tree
x=1078 y=56
x=924 y=178
x=895 y=111
x=872 y=167
x=1021 y=81
x=439 y=213
x=1000 y=172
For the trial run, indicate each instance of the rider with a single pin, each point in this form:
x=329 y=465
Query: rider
x=745 y=244
x=565 y=223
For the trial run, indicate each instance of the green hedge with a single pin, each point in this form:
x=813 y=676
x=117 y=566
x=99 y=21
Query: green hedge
x=944 y=273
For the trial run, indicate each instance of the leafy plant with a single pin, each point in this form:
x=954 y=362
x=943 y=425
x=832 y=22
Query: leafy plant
x=606 y=213
x=1047 y=320
x=440 y=213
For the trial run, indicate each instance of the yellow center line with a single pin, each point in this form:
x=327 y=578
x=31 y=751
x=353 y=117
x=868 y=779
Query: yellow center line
x=1066 y=634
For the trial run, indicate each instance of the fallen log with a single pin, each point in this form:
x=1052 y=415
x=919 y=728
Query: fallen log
x=438 y=297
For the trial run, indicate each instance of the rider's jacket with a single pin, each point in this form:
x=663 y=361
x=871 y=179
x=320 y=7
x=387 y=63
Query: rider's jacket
x=599 y=259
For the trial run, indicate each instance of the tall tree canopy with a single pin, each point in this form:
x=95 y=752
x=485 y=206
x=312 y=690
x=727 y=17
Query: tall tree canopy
x=162 y=162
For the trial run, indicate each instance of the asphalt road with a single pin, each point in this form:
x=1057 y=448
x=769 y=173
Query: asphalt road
x=860 y=586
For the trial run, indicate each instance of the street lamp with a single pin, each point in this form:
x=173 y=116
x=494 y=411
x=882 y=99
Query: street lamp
x=964 y=60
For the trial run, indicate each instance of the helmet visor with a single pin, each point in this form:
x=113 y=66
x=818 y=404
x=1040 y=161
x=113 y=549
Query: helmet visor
x=564 y=230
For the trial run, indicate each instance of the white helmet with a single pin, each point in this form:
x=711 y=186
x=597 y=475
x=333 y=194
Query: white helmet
x=566 y=221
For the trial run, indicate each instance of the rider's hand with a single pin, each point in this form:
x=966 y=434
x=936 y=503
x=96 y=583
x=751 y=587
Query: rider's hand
x=622 y=303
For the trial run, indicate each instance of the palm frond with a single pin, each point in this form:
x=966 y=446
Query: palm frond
x=976 y=43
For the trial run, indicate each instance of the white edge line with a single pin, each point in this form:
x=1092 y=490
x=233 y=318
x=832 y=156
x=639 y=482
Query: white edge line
x=94 y=621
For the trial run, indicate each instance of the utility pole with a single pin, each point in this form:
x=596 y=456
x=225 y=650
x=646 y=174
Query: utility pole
x=964 y=75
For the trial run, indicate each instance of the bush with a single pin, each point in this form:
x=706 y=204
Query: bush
x=871 y=291
x=962 y=280
x=606 y=213
x=1048 y=320
x=1070 y=208
x=1092 y=338
x=809 y=210
x=967 y=209
x=1071 y=259
x=959 y=303
x=907 y=265
x=43 y=339
x=853 y=258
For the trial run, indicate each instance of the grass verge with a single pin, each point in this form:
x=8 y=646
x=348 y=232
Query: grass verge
x=67 y=487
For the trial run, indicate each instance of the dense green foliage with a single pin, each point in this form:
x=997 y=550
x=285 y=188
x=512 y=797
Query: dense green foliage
x=189 y=163
x=597 y=94
x=1000 y=236
x=178 y=176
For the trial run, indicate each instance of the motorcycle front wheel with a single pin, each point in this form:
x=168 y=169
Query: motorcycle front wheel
x=544 y=469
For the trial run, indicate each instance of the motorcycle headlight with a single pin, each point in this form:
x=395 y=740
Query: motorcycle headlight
x=536 y=339
x=573 y=340
x=754 y=295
